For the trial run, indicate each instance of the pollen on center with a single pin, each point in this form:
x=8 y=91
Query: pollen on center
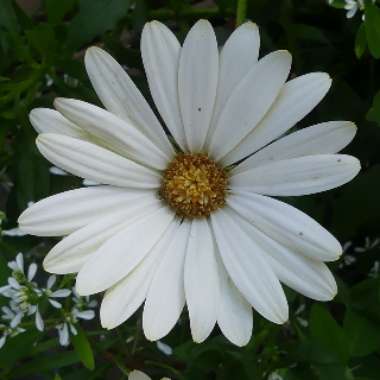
x=194 y=186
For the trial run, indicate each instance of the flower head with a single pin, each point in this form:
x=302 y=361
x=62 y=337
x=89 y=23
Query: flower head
x=189 y=219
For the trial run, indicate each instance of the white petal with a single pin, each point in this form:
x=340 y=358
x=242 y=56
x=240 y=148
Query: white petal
x=197 y=82
x=92 y=162
x=123 y=299
x=287 y=225
x=16 y=320
x=309 y=277
x=138 y=375
x=86 y=314
x=63 y=333
x=160 y=52
x=70 y=254
x=39 y=321
x=119 y=255
x=235 y=317
x=51 y=281
x=55 y=303
x=32 y=270
x=297 y=98
x=201 y=280
x=3 y=340
x=166 y=296
x=20 y=262
x=120 y=96
x=61 y=293
x=13 y=283
x=247 y=267
x=298 y=176
x=66 y=212
x=324 y=138
x=115 y=133
x=249 y=102
x=243 y=43
x=46 y=120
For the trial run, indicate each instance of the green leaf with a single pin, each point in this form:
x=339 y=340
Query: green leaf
x=43 y=363
x=339 y=4
x=363 y=334
x=95 y=17
x=8 y=18
x=336 y=372
x=372 y=27
x=360 y=41
x=56 y=10
x=42 y=38
x=374 y=112
x=328 y=334
x=83 y=348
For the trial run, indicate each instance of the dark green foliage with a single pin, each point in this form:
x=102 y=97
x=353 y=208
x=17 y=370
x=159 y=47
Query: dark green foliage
x=41 y=57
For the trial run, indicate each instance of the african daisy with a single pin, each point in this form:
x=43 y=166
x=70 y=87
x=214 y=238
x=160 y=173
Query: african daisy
x=175 y=220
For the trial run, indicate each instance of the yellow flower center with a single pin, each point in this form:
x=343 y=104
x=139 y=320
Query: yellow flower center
x=194 y=186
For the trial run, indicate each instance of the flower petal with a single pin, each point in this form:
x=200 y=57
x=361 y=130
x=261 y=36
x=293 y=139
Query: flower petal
x=309 y=277
x=92 y=162
x=119 y=255
x=138 y=375
x=160 y=52
x=244 y=42
x=249 y=102
x=324 y=138
x=124 y=298
x=247 y=267
x=298 y=176
x=287 y=225
x=66 y=212
x=297 y=98
x=120 y=96
x=71 y=253
x=201 y=280
x=166 y=296
x=46 y=120
x=116 y=134
x=197 y=82
x=234 y=313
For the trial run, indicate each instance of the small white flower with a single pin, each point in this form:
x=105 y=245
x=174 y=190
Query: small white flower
x=13 y=316
x=275 y=376
x=80 y=310
x=7 y=332
x=369 y=244
x=52 y=295
x=351 y=6
x=191 y=219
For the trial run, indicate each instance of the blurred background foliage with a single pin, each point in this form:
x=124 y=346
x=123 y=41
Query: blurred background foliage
x=42 y=44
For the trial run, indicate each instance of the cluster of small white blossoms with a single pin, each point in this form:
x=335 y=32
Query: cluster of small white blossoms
x=351 y=6
x=25 y=297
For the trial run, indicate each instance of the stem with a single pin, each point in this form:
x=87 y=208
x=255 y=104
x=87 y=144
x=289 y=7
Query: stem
x=241 y=12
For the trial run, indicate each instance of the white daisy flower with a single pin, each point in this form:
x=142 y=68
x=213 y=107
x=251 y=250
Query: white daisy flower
x=190 y=220
x=138 y=375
